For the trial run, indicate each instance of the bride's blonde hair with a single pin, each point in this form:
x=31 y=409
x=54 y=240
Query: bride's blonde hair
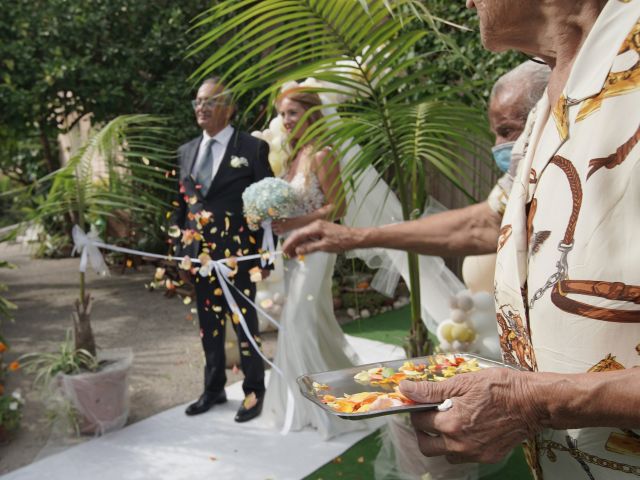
x=309 y=100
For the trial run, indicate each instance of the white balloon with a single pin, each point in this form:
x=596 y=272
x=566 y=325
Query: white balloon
x=484 y=322
x=465 y=302
x=453 y=302
x=439 y=334
x=276 y=126
x=489 y=347
x=458 y=316
x=484 y=301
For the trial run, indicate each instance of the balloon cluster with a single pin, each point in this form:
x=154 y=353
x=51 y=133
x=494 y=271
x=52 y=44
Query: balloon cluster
x=471 y=326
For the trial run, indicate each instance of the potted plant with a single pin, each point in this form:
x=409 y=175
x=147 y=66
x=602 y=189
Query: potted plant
x=118 y=169
x=90 y=392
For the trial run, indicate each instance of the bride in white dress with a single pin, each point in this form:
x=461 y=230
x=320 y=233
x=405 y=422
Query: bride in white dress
x=310 y=338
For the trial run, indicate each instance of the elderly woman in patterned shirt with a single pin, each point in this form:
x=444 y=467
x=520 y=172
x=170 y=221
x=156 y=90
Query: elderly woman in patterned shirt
x=567 y=275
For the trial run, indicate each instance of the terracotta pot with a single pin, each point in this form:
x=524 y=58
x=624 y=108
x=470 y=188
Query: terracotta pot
x=101 y=398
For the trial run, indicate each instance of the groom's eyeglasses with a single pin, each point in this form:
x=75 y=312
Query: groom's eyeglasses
x=207 y=103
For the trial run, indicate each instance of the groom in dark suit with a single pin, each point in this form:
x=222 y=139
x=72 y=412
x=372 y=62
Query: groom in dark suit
x=215 y=168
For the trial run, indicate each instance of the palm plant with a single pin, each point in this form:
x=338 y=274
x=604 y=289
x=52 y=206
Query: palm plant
x=366 y=49
x=134 y=152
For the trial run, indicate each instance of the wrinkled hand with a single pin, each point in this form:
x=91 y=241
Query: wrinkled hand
x=320 y=235
x=493 y=410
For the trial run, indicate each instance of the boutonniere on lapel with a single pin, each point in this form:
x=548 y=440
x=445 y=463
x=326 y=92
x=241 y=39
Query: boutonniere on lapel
x=237 y=162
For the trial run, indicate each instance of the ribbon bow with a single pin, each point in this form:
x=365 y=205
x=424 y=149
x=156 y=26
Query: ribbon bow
x=268 y=243
x=87 y=245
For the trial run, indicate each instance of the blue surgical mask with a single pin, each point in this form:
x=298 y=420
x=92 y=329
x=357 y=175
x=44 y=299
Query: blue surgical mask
x=502 y=155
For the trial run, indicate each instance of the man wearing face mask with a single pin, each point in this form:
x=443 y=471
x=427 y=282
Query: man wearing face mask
x=470 y=230
x=512 y=97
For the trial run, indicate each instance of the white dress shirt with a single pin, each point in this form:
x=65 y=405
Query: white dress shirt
x=219 y=148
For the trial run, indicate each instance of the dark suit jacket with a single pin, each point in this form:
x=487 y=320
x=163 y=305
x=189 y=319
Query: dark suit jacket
x=227 y=234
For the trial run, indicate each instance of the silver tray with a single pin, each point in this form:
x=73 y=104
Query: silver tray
x=341 y=382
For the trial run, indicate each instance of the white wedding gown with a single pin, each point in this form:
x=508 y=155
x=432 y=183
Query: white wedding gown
x=310 y=339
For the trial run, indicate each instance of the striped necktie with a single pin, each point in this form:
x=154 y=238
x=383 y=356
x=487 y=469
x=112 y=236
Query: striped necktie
x=205 y=169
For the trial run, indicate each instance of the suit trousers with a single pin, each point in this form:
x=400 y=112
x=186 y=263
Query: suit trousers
x=213 y=313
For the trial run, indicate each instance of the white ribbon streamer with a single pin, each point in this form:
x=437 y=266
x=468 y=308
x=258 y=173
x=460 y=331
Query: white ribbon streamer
x=268 y=243
x=223 y=271
x=88 y=246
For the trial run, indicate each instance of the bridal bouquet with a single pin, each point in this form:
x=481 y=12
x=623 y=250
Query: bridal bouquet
x=269 y=199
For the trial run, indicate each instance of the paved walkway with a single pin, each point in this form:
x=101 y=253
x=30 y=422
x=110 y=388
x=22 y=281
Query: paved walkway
x=167 y=367
x=160 y=441
x=172 y=446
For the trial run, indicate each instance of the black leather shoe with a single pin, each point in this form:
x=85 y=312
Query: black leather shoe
x=205 y=402
x=248 y=411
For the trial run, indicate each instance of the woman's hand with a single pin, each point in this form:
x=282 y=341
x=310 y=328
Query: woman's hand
x=285 y=225
x=493 y=410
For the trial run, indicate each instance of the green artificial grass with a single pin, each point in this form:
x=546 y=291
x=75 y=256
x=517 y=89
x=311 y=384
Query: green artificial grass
x=357 y=462
x=390 y=327
x=354 y=464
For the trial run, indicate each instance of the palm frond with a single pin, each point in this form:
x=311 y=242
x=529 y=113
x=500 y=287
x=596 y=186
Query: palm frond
x=133 y=149
x=364 y=48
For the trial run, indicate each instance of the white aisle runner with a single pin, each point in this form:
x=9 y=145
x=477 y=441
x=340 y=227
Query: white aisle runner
x=210 y=446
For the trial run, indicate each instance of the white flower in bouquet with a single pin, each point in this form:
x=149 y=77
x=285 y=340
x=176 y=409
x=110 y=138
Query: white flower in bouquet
x=269 y=199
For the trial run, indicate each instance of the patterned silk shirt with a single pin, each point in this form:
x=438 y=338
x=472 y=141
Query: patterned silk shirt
x=567 y=283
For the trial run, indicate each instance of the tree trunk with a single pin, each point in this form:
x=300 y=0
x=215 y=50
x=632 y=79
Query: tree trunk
x=417 y=343
x=83 y=333
x=52 y=163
